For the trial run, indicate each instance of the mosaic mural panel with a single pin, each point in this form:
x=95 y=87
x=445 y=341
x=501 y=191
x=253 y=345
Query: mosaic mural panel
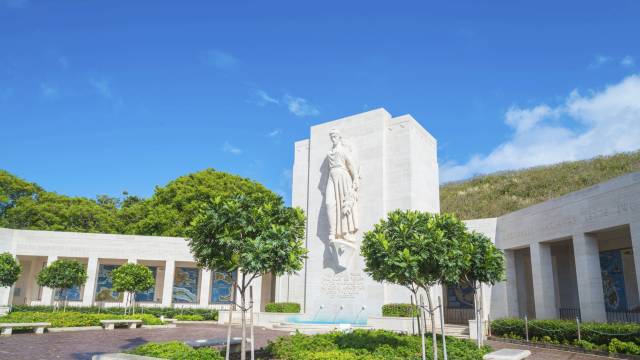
x=221 y=287
x=615 y=298
x=104 y=291
x=149 y=295
x=185 y=285
x=459 y=297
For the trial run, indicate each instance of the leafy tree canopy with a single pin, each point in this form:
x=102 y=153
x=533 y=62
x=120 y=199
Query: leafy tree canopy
x=132 y=278
x=62 y=274
x=487 y=261
x=10 y=270
x=168 y=212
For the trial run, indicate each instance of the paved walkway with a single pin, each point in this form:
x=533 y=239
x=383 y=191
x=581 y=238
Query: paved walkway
x=81 y=345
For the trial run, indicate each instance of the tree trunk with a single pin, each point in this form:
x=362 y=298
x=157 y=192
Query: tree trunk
x=424 y=349
x=433 y=326
x=243 y=345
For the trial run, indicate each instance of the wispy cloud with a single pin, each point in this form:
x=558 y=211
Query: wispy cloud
x=627 y=61
x=599 y=61
x=16 y=4
x=220 y=59
x=602 y=122
x=102 y=87
x=228 y=148
x=49 y=91
x=274 y=133
x=299 y=106
x=261 y=98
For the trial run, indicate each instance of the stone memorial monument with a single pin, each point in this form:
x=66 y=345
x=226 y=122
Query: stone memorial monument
x=347 y=176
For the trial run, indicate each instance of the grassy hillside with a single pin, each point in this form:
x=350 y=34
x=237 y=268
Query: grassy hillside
x=500 y=193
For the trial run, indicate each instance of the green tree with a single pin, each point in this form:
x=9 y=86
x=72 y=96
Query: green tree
x=62 y=275
x=417 y=250
x=10 y=270
x=172 y=208
x=132 y=278
x=253 y=234
x=13 y=188
x=486 y=266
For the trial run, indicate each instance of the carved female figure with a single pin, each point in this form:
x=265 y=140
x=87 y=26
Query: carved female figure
x=342 y=190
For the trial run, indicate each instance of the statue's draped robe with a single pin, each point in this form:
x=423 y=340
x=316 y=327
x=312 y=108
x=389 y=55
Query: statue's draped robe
x=340 y=194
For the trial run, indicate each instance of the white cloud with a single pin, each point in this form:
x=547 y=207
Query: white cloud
x=299 y=106
x=228 y=148
x=600 y=123
x=274 y=133
x=102 y=87
x=627 y=61
x=49 y=91
x=261 y=98
x=220 y=59
x=599 y=61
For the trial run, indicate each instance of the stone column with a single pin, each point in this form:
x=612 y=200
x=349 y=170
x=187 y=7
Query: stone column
x=47 y=293
x=634 y=228
x=205 y=288
x=543 y=288
x=5 y=296
x=90 y=286
x=511 y=285
x=167 y=289
x=589 y=278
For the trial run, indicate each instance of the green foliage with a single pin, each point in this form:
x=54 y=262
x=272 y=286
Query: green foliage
x=412 y=247
x=62 y=274
x=176 y=350
x=282 y=307
x=72 y=318
x=132 y=278
x=168 y=312
x=561 y=330
x=10 y=269
x=255 y=233
x=623 y=347
x=168 y=212
x=365 y=345
x=189 y=317
x=487 y=261
x=501 y=193
x=400 y=310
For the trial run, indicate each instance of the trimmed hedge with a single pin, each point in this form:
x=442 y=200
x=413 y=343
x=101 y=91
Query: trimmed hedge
x=168 y=312
x=282 y=307
x=73 y=319
x=366 y=345
x=189 y=317
x=400 y=310
x=567 y=330
x=176 y=350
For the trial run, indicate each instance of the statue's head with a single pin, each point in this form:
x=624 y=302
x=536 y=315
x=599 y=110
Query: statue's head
x=335 y=136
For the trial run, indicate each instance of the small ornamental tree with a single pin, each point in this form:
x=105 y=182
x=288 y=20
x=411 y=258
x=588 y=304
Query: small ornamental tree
x=62 y=275
x=417 y=250
x=486 y=266
x=10 y=270
x=132 y=278
x=253 y=234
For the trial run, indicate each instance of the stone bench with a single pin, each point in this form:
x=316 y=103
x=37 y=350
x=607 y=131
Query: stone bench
x=235 y=343
x=111 y=324
x=508 y=354
x=121 y=356
x=7 y=328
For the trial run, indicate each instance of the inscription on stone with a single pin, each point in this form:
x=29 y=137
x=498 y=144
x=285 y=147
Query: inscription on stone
x=342 y=286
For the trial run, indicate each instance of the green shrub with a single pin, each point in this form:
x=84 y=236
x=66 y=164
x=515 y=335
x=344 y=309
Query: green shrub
x=365 y=345
x=556 y=331
x=282 y=307
x=190 y=317
x=400 y=310
x=73 y=319
x=168 y=312
x=176 y=350
x=622 y=347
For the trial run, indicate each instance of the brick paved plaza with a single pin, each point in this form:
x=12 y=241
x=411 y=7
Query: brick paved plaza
x=82 y=345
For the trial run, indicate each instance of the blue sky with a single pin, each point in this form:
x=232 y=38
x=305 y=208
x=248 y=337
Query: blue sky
x=98 y=97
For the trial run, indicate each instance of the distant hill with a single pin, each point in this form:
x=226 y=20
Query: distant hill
x=501 y=193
